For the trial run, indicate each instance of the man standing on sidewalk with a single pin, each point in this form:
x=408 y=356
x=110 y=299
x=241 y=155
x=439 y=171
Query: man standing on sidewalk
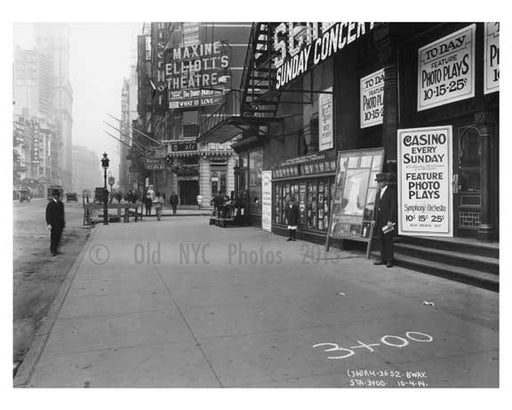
x=174 y=202
x=55 y=221
x=386 y=215
x=292 y=219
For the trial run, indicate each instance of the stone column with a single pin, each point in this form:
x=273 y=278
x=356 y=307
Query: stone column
x=486 y=125
x=388 y=60
x=205 y=187
x=230 y=174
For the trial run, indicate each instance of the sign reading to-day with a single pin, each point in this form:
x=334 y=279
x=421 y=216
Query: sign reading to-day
x=446 y=69
x=372 y=99
x=266 y=200
x=325 y=108
x=424 y=181
x=492 y=58
x=197 y=74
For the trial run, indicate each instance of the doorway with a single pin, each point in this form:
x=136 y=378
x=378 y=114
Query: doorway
x=467 y=198
x=189 y=190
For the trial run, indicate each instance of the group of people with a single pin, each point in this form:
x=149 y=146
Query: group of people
x=385 y=217
x=152 y=199
x=385 y=214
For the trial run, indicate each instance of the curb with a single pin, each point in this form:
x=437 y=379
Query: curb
x=26 y=369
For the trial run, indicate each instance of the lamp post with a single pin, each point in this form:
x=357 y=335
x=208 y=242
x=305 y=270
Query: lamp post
x=104 y=164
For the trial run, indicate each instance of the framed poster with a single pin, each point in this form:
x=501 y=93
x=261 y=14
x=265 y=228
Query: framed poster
x=446 y=69
x=425 y=181
x=372 y=99
x=352 y=205
x=325 y=116
x=266 y=201
x=492 y=58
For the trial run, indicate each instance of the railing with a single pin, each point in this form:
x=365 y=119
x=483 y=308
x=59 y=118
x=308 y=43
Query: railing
x=230 y=107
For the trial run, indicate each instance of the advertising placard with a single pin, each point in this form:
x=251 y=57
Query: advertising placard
x=325 y=108
x=492 y=58
x=355 y=190
x=446 y=69
x=266 y=201
x=197 y=75
x=424 y=181
x=372 y=99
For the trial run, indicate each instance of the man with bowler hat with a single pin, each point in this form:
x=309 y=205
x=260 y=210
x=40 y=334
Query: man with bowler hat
x=386 y=216
x=55 y=221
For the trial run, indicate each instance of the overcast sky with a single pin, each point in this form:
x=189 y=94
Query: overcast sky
x=100 y=58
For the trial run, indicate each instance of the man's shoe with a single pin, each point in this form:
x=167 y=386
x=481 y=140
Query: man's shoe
x=293 y=239
x=289 y=239
x=389 y=265
x=54 y=253
x=378 y=263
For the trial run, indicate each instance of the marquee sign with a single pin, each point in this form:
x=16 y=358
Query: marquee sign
x=197 y=74
x=301 y=46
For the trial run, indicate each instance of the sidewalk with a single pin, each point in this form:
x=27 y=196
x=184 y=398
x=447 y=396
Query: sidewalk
x=179 y=303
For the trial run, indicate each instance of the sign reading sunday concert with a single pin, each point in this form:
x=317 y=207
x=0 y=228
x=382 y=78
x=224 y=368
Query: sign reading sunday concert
x=326 y=140
x=492 y=58
x=424 y=181
x=266 y=201
x=446 y=69
x=372 y=99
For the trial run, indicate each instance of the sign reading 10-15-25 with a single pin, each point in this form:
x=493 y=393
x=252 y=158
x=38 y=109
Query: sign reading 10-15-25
x=446 y=69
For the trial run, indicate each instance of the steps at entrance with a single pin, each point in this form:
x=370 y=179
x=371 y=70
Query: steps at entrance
x=462 y=259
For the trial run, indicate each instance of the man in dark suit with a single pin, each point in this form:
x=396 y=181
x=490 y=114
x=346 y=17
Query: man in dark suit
x=292 y=219
x=55 y=221
x=174 y=202
x=386 y=216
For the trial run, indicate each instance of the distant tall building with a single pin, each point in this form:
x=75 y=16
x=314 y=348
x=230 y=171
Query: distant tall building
x=86 y=169
x=52 y=40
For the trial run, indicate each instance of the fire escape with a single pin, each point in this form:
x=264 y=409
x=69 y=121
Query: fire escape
x=255 y=105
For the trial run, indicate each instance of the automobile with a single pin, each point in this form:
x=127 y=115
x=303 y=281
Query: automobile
x=25 y=195
x=71 y=197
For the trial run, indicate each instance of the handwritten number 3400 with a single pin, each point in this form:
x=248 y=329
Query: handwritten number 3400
x=389 y=340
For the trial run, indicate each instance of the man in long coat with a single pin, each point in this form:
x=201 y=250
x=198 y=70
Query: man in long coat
x=292 y=219
x=55 y=221
x=386 y=216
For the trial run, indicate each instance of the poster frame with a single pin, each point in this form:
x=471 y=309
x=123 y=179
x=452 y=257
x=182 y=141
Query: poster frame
x=355 y=154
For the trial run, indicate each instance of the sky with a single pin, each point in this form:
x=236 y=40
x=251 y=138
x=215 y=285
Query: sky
x=100 y=58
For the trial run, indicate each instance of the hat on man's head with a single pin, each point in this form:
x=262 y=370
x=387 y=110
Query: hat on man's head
x=389 y=177
x=56 y=192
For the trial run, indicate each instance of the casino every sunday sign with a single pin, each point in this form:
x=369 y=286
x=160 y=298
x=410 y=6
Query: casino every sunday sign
x=424 y=181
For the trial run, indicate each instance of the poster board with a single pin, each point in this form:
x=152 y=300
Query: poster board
x=355 y=190
x=266 y=201
x=425 y=189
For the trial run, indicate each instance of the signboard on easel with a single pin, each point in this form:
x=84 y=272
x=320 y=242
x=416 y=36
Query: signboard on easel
x=355 y=190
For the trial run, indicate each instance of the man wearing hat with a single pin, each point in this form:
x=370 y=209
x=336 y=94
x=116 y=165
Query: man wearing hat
x=386 y=215
x=55 y=221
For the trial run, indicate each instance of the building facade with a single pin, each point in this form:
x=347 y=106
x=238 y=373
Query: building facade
x=311 y=90
x=184 y=70
x=86 y=169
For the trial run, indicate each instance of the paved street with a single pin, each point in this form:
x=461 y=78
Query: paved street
x=37 y=276
x=179 y=303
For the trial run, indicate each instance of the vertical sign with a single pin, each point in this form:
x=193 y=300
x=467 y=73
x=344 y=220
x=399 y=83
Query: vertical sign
x=372 y=99
x=36 y=144
x=492 y=58
x=424 y=181
x=326 y=140
x=266 y=201
x=446 y=69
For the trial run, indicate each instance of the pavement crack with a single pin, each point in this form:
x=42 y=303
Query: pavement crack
x=198 y=343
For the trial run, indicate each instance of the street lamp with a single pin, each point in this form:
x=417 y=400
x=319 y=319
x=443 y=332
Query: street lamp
x=104 y=164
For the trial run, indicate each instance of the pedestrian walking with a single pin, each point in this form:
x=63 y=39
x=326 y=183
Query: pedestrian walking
x=148 y=203
x=158 y=204
x=55 y=221
x=199 y=200
x=386 y=216
x=292 y=219
x=174 y=202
